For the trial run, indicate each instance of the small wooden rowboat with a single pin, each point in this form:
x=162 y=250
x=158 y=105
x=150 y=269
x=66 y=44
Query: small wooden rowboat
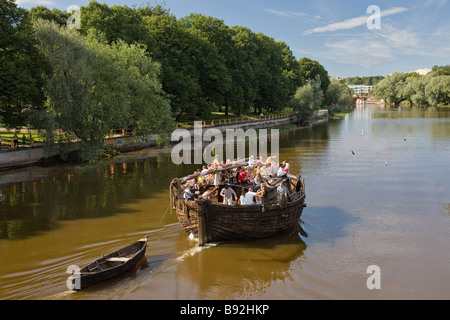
x=110 y=265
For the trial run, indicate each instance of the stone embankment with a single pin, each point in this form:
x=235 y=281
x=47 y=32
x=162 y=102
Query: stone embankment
x=24 y=157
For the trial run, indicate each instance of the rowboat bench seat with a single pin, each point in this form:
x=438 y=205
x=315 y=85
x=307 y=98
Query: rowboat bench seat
x=119 y=260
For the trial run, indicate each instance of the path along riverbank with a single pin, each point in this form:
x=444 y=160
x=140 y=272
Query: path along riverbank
x=31 y=156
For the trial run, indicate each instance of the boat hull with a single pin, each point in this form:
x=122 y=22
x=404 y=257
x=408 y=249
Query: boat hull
x=111 y=265
x=213 y=223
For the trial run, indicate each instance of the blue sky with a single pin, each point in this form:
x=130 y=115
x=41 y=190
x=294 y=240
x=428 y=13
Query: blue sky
x=413 y=34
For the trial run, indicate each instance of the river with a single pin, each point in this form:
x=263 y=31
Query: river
x=378 y=194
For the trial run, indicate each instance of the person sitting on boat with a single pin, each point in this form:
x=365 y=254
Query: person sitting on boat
x=250 y=176
x=250 y=197
x=270 y=160
x=204 y=171
x=210 y=194
x=187 y=193
x=227 y=193
x=251 y=163
x=242 y=177
x=216 y=163
x=281 y=172
x=196 y=188
x=287 y=167
x=273 y=169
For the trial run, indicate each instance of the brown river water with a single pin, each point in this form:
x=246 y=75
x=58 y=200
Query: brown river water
x=388 y=205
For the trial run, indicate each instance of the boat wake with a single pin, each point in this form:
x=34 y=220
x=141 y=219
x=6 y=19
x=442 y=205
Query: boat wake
x=193 y=251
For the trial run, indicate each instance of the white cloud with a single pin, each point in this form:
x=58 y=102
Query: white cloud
x=35 y=2
x=396 y=38
x=285 y=13
x=423 y=71
x=370 y=49
x=353 y=22
x=437 y=3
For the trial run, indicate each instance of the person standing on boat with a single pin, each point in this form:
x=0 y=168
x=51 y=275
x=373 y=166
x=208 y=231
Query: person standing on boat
x=250 y=197
x=227 y=193
x=282 y=192
x=242 y=199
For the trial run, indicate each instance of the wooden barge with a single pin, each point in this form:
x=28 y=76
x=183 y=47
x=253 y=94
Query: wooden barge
x=211 y=221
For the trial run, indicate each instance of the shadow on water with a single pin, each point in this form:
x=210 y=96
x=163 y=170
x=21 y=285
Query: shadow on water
x=237 y=270
x=327 y=224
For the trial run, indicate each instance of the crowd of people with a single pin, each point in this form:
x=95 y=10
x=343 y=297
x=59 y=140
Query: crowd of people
x=251 y=176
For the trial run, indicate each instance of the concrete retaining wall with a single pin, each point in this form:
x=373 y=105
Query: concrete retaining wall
x=21 y=157
x=31 y=156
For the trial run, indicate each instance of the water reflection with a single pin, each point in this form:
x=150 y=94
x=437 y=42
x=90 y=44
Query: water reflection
x=84 y=192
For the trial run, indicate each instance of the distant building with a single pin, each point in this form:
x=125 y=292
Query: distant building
x=361 y=90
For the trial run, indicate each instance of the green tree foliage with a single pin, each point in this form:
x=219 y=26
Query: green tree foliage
x=310 y=69
x=55 y=15
x=365 y=81
x=116 y=22
x=437 y=90
x=431 y=89
x=93 y=87
x=21 y=65
x=218 y=69
x=339 y=94
x=441 y=70
x=391 y=88
x=308 y=99
x=179 y=53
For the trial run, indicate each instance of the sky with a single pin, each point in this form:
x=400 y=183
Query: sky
x=349 y=38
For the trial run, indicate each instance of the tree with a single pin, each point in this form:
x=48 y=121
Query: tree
x=216 y=57
x=441 y=70
x=339 y=94
x=414 y=90
x=245 y=65
x=310 y=69
x=116 y=22
x=21 y=65
x=217 y=69
x=93 y=87
x=391 y=88
x=41 y=12
x=308 y=99
x=437 y=90
x=271 y=83
x=174 y=48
